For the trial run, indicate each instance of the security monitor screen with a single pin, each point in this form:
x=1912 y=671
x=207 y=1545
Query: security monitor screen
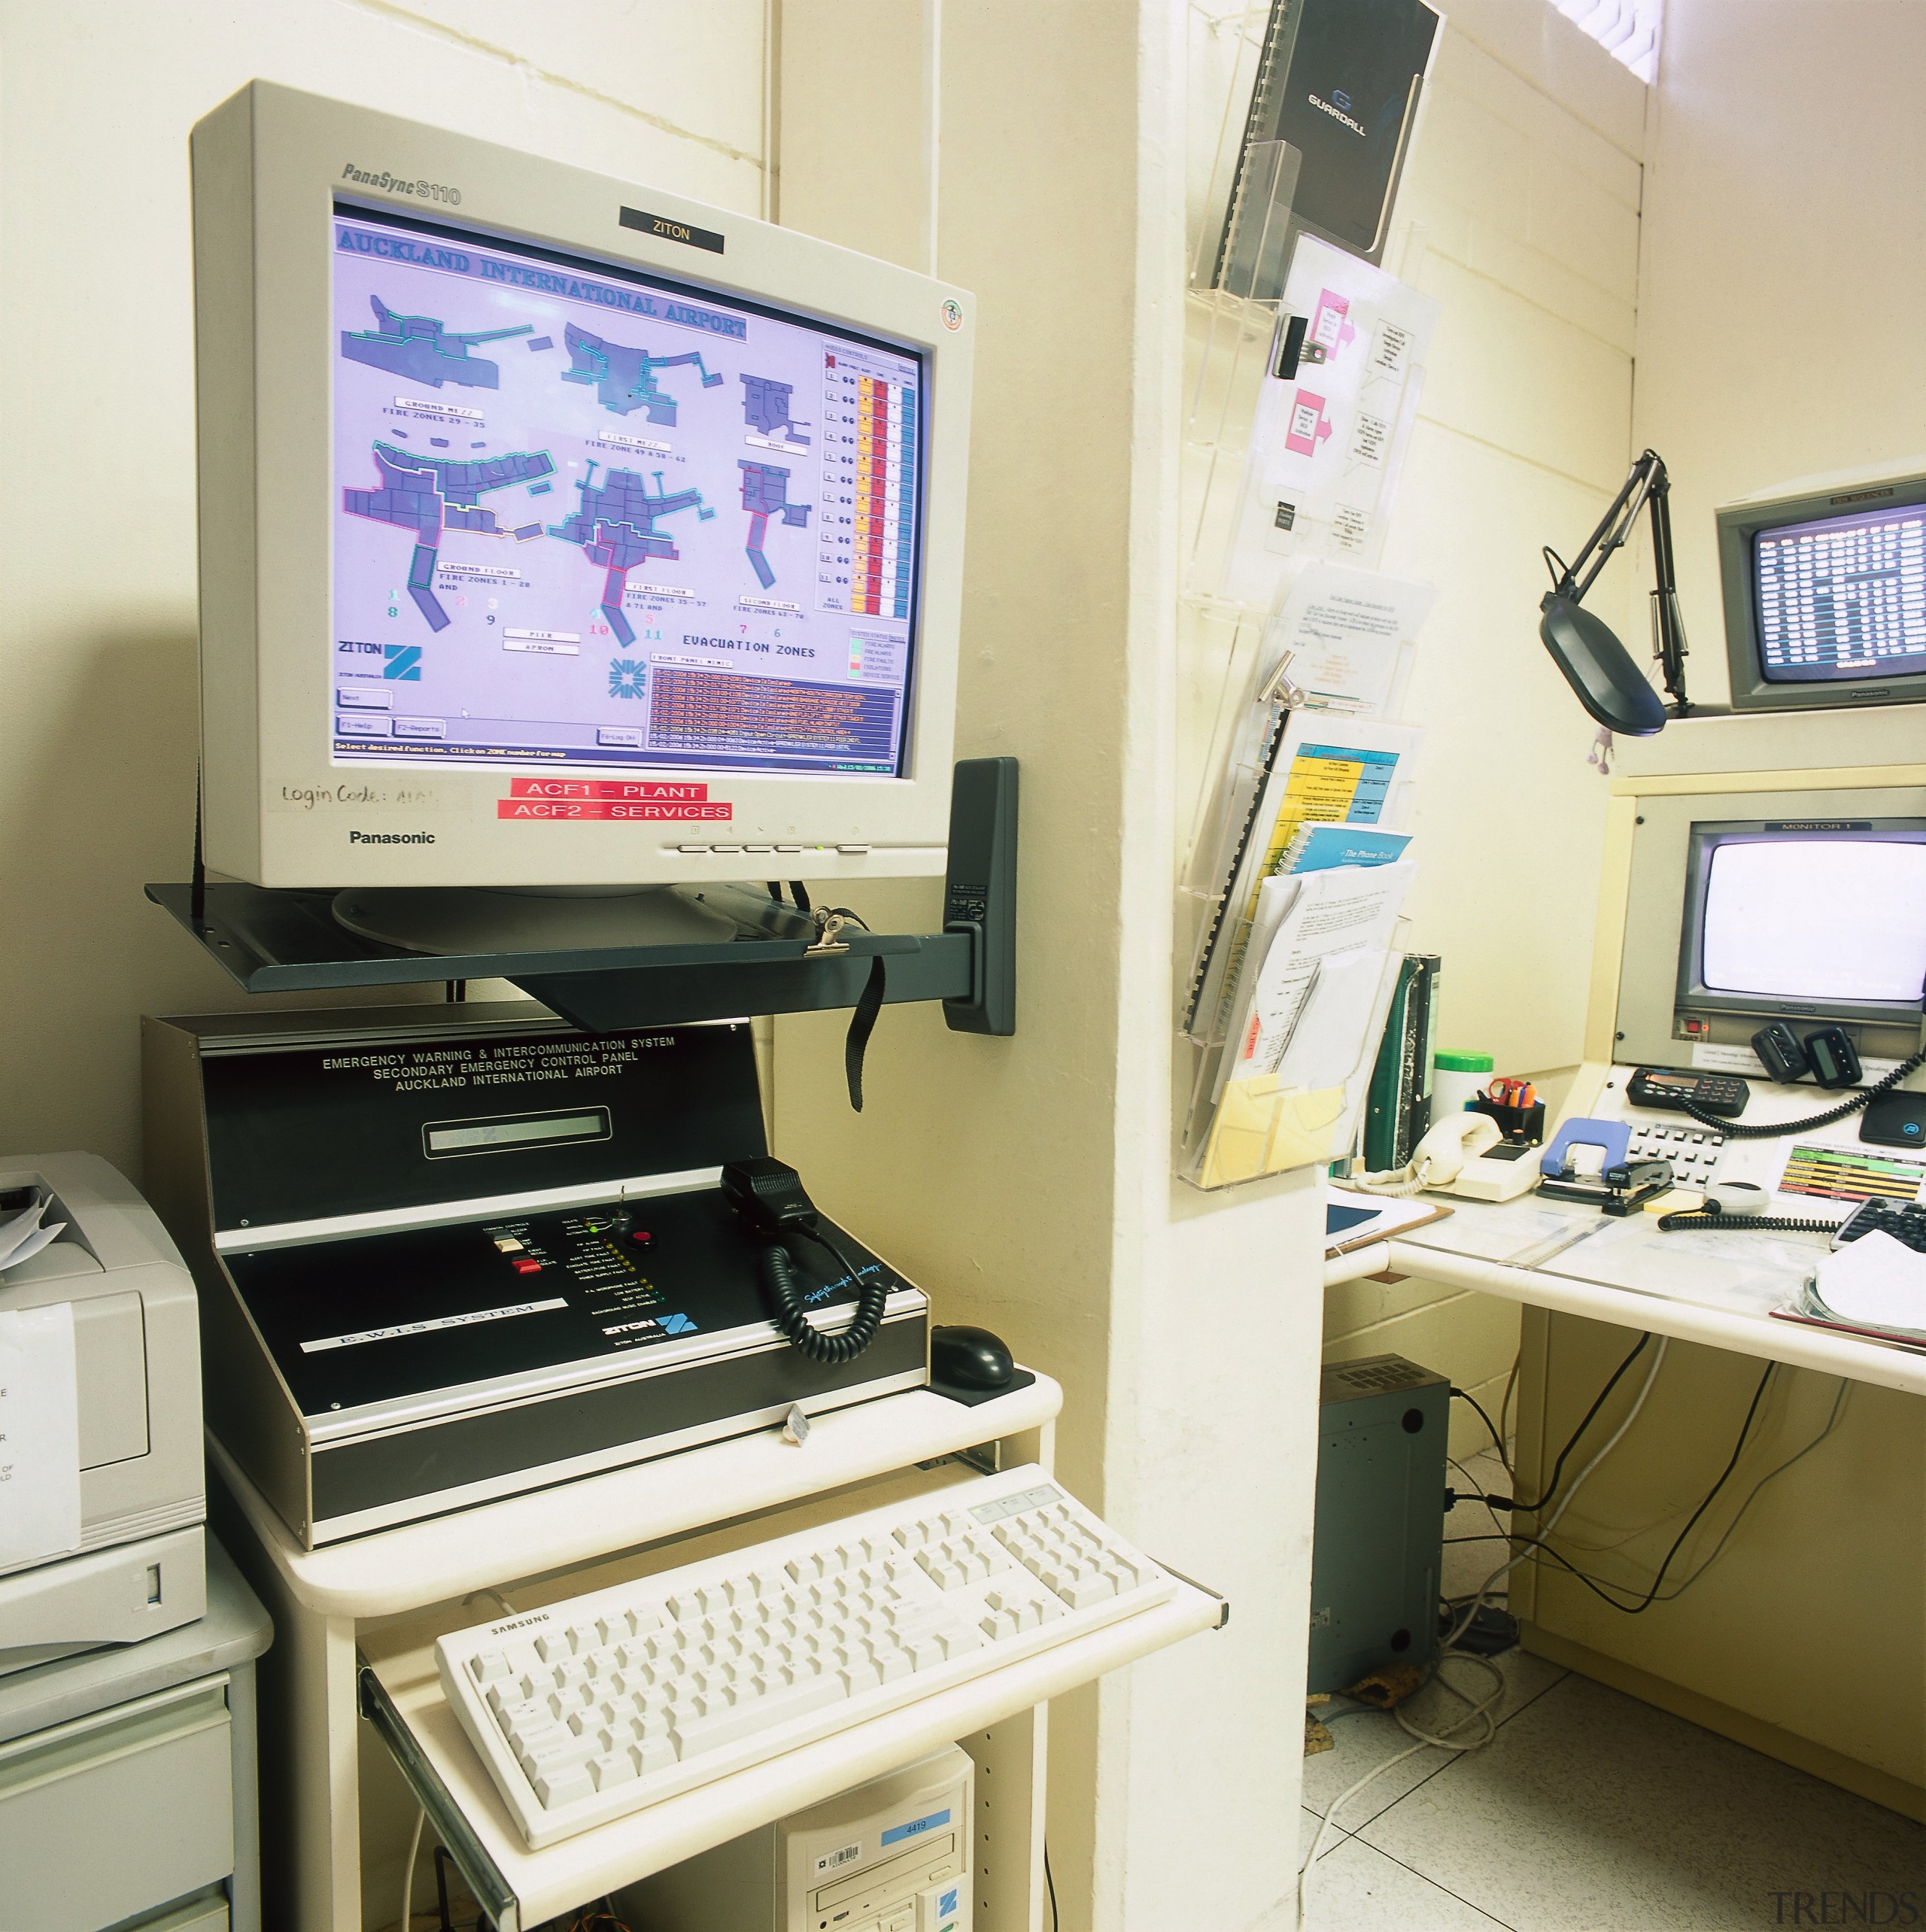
x=588 y=517
x=1844 y=598
x=1805 y=918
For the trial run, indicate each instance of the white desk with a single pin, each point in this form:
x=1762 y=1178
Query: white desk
x=1634 y=1281
x=355 y=1623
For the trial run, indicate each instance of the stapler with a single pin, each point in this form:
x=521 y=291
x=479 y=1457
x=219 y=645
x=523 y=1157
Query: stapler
x=1590 y=1161
x=1631 y=1184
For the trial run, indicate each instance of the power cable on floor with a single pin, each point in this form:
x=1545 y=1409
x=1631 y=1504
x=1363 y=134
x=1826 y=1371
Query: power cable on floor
x=1448 y=1739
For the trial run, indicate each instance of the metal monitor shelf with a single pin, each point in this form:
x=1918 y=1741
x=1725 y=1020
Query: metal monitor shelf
x=288 y=940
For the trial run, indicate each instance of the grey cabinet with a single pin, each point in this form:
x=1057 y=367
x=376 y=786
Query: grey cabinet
x=127 y=1779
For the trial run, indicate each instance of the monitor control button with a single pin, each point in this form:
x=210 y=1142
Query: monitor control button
x=692 y=848
x=852 y=848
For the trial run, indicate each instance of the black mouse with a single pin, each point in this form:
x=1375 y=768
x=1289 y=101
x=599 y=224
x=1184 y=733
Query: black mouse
x=970 y=1358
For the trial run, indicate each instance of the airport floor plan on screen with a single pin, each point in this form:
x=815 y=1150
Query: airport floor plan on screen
x=588 y=517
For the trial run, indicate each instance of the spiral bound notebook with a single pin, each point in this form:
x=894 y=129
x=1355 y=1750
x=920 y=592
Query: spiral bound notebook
x=1317 y=769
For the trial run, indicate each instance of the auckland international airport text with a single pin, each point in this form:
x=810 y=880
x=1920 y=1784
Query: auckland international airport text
x=486 y=267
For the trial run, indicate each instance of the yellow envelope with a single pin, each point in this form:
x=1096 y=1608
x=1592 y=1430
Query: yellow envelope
x=1262 y=1129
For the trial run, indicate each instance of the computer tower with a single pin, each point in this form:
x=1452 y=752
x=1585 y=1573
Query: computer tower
x=890 y=1856
x=1380 y=1535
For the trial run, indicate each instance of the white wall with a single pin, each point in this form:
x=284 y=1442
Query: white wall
x=97 y=597
x=1027 y=1182
x=1777 y=335
x=1024 y=1181
x=1785 y=274
x=1520 y=215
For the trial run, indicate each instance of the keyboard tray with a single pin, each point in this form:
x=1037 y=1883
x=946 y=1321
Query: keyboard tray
x=401 y=1697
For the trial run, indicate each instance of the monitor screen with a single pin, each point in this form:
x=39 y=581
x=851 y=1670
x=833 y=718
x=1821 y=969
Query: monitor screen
x=1842 y=599
x=1801 y=917
x=588 y=517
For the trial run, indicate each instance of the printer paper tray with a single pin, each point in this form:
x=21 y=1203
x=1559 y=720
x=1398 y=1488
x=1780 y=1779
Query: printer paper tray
x=401 y=1697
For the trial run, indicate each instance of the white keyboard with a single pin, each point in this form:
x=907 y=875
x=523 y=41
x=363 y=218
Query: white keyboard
x=599 y=1706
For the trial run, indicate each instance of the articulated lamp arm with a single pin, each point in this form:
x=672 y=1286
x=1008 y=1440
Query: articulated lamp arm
x=1595 y=665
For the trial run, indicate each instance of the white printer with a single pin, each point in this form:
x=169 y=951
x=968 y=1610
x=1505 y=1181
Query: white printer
x=139 y=1566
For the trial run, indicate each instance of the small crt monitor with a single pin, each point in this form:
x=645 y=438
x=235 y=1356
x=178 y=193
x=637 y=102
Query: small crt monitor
x=1816 y=920
x=1824 y=586
x=557 y=531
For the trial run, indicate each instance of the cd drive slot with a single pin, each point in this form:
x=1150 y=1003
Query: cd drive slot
x=924 y=1852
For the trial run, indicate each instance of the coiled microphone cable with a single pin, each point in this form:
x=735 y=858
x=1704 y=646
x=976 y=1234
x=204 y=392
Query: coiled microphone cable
x=1773 y=1130
x=779 y=1277
x=769 y=1196
x=1712 y=1216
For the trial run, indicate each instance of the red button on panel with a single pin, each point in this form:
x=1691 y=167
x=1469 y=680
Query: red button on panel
x=642 y=1238
x=528 y=1266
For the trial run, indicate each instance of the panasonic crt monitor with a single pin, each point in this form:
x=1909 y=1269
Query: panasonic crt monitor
x=1748 y=906
x=1825 y=584
x=557 y=531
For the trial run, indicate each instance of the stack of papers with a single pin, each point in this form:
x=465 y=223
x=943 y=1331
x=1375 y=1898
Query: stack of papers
x=1285 y=1088
x=1294 y=973
x=1356 y=1220
x=23 y=1236
x=1351 y=773
x=1876 y=1286
x=1317 y=955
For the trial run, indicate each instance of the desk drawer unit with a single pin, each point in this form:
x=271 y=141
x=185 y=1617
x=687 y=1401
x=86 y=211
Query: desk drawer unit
x=122 y=1812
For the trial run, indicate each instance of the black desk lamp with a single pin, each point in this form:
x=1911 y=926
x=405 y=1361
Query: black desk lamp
x=1598 y=667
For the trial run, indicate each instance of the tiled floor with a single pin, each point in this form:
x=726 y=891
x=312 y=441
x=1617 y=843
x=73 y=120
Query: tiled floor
x=1589 y=1812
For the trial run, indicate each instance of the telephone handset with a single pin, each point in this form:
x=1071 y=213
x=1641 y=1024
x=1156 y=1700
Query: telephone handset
x=1439 y=1158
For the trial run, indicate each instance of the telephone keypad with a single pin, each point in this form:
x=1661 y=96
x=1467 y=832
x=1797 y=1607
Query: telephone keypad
x=1722 y=1094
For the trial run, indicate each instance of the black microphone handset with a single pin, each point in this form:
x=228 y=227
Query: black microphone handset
x=769 y=1197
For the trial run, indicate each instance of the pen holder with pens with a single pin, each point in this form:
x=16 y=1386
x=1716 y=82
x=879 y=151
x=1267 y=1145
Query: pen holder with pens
x=1525 y=1124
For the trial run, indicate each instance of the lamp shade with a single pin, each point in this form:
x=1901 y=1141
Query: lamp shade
x=1600 y=669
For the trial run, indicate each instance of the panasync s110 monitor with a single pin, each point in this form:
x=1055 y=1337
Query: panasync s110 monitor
x=1824 y=584
x=557 y=531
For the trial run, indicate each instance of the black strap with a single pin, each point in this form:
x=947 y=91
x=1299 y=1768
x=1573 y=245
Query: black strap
x=197 y=890
x=862 y=1024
